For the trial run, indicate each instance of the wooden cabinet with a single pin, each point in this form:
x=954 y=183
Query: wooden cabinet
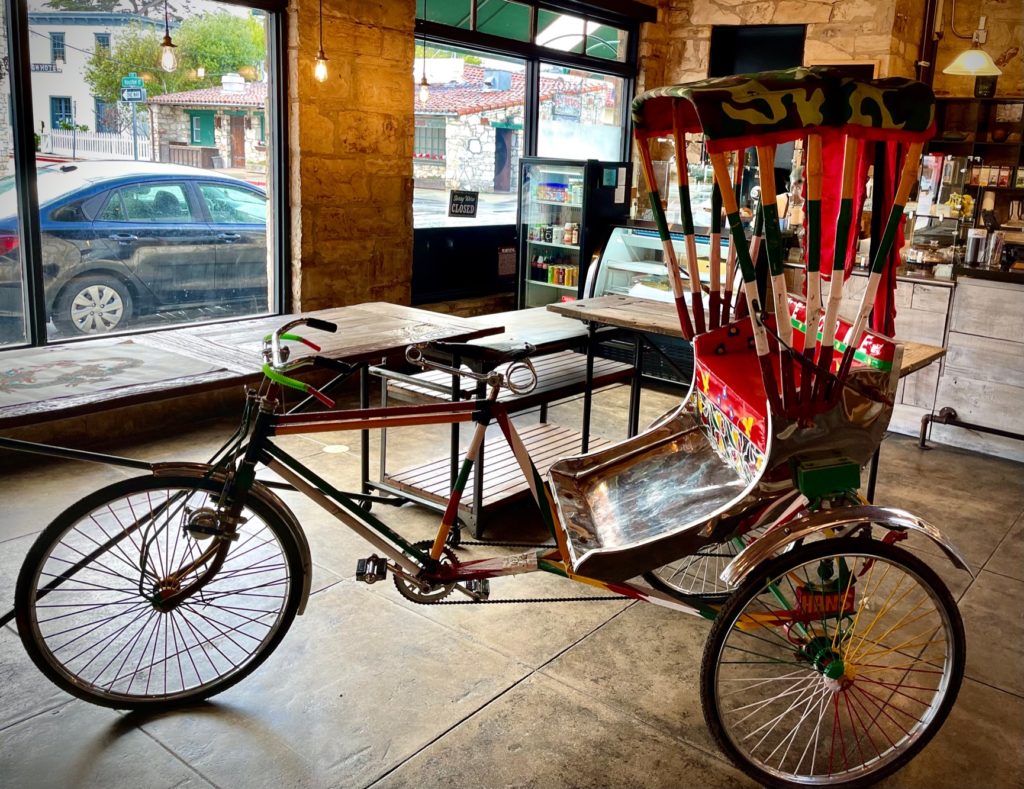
x=983 y=373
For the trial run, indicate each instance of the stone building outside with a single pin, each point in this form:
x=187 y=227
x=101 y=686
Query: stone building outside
x=220 y=127
x=469 y=134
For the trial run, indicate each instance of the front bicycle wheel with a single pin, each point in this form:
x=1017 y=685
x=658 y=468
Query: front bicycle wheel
x=832 y=665
x=88 y=595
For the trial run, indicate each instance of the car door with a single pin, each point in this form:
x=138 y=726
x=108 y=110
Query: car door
x=238 y=218
x=157 y=230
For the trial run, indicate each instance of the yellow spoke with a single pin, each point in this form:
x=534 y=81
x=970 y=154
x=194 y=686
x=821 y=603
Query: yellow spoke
x=911 y=644
x=853 y=626
x=885 y=607
x=900 y=623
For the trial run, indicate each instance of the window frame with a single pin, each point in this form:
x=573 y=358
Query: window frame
x=24 y=127
x=101 y=41
x=69 y=117
x=207 y=136
x=58 y=46
x=201 y=196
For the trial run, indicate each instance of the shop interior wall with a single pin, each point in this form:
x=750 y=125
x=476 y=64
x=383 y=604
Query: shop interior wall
x=1005 y=26
x=882 y=32
x=350 y=152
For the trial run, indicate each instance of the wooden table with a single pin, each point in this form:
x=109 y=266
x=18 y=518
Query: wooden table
x=366 y=332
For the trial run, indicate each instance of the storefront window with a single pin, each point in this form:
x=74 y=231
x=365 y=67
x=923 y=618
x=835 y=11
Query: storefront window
x=12 y=274
x=153 y=211
x=469 y=134
x=580 y=114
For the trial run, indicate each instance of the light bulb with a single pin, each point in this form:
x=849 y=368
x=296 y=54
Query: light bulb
x=168 y=57
x=320 y=69
x=424 y=90
x=201 y=71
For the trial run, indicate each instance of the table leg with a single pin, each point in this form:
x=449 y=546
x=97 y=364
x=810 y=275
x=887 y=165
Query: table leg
x=454 y=465
x=478 y=476
x=588 y=392
x=364 y=435
x=873 y=474
x=634 y=386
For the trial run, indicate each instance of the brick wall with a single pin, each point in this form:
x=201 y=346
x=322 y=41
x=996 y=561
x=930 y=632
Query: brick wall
x=350 y=142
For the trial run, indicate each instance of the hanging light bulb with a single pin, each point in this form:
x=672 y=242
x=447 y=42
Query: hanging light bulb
x=424 y=89
x=168 y=57
x=320 y=69
x=201 y=71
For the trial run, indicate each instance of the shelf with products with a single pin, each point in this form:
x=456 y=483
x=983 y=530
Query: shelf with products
x=551 y=285
x=573 y=247
x=558 y=203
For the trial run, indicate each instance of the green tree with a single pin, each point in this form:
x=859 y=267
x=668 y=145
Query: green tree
x=221 y=43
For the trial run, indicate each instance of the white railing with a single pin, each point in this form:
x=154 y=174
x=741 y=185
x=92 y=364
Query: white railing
x=94 y=145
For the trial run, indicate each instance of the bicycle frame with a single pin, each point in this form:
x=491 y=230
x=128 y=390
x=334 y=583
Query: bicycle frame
x=411 y=561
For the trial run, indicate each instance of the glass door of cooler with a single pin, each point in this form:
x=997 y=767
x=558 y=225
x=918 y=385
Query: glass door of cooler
x=551 y=227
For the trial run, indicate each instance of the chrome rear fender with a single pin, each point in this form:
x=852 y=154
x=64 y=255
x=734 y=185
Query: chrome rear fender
x=842 y=519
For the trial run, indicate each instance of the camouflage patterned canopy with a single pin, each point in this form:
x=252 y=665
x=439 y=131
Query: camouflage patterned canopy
x=776 y=106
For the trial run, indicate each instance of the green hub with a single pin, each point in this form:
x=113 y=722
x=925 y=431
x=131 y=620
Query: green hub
x=820 y=653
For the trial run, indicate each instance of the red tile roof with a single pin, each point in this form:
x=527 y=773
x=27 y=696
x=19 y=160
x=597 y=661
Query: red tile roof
x=472 y=96
x=253 y=94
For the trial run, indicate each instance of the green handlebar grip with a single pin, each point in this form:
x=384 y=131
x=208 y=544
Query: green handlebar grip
x=283 y=380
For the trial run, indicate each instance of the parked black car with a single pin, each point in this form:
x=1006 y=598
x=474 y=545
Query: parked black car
x=125 y=239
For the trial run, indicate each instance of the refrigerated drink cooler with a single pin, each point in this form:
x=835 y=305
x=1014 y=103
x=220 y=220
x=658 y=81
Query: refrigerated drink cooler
x=566 y=212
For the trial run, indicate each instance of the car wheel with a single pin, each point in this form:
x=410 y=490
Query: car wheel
x=93 y=305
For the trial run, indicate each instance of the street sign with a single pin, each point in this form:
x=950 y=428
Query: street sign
x=133 y=94
x=132 y=81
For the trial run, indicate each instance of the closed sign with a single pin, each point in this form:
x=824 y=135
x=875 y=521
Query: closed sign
x=462 y=203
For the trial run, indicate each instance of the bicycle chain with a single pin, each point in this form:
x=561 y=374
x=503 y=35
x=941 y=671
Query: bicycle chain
x=582 y=599
x=527 y=600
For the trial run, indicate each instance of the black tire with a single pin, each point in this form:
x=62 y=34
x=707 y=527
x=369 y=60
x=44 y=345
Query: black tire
x=93 y=304
x=212 y=640
x=821 y=678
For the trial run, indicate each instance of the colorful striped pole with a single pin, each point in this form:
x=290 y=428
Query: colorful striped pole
x=835 y=290
x=780 y=296
x=908 y=177
x=730 y=263
x=732 y=212
x=686 y=219
x=715 y=255
x=812 y=279
x=671 y=263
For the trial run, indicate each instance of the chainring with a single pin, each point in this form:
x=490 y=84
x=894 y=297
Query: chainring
x=431 y=594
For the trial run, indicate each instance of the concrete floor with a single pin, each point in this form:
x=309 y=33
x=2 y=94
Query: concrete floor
x=370 y=690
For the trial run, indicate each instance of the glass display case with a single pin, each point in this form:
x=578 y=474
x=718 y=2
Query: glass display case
x=632 y=264
x=566 y=209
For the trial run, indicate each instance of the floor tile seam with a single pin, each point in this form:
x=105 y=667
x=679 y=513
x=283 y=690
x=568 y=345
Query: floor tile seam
x=469 y=715
x=44 y=711
x=20 y=536
x=713 y=754
x=987 y=569
x=176 y=757
x=454 y=629
x=991 y=686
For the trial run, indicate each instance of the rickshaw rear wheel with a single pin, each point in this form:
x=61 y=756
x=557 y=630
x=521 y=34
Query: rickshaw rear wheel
x=832 y=665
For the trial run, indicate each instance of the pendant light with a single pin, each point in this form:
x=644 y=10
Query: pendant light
x=168 y=57
x=424 y=85
x=320 y=69
x=974 y=62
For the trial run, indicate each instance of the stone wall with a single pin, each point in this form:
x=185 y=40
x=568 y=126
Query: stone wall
x=1005 y=26
x=884 y=32
x=350 y=149
x=6 y=138
x=171 y=124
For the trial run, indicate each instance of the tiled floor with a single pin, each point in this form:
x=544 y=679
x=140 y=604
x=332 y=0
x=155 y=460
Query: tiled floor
x=370 y=690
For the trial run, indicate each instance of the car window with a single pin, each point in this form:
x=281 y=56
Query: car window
x=233 y=204
x=70 y=212
x=160 y=202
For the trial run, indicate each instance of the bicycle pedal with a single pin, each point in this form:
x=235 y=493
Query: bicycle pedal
x=371 y=570
x=479 y=589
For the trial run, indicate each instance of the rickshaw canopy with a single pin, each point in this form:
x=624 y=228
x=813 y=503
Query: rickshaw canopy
x=777 y=106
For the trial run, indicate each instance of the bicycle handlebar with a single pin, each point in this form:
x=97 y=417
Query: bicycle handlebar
x=275 y=356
